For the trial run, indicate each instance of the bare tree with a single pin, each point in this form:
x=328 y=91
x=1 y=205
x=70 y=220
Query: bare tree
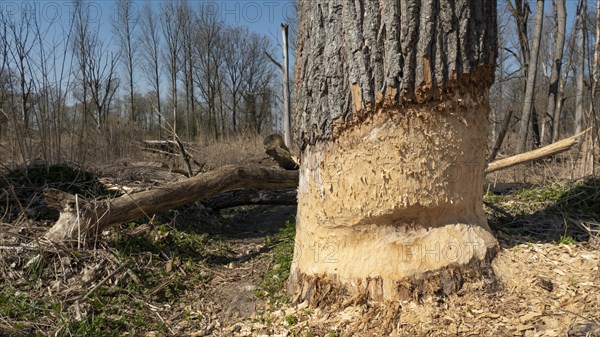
x=170 y=32
x=97 y=68
x=186 y=23
x=102 y=80
x=208 y=52
x=580 y=66
x=557 y=58
x=235 y=68
x=150 y=41
x=258 y=91
x=526 y=116
x=81 y=52
x=21 y=41
x=124 y=27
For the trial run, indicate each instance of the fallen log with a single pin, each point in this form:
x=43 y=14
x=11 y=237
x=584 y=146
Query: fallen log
x=81 y=219
x=251 y=196
x=542 y=152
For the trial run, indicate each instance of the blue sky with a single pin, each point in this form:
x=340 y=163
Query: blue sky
x=262 y=16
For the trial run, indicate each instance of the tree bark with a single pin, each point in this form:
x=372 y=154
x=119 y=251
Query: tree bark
x=392 y=118
x=559 y=44
x=252 y=196
x=579 y=113
x=81 y=219
x=561 y=85
x=531 y=77
x=501 y=135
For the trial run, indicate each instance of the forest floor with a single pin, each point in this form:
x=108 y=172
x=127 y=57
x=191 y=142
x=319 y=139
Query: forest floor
x=195 y=272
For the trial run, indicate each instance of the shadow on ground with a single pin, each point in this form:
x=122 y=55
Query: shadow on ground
x=554 y=212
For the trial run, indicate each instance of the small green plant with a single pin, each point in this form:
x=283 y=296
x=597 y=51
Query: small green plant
x=291 y=319
x=566 y=240
x=274 y=279
x=35 y=267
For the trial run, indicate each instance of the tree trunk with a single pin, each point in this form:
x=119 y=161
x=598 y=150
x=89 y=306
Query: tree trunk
x=559 y=44
x=531 y=77
x=392 y=118
x=580 y=65
x=589 y=146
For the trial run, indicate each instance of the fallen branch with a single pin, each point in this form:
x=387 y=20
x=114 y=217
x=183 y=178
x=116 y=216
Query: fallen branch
x=252 y=196
x=276 y=149
x=543 y=152
x=85 y=219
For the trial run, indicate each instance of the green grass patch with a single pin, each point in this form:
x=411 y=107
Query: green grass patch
x=273 y=280
x=553 y=211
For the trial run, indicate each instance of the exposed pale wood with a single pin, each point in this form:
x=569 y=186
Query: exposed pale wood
x=391 y=98
x=543 y=152
x=84 y=219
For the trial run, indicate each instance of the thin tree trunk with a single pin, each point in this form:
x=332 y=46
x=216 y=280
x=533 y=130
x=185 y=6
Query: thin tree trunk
x=531 y=77
x=559 y=44
x=501 y=135
x=579 y=113
x=587 y=165
x=561 y=86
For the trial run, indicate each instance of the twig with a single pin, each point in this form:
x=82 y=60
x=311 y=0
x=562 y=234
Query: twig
x=104 y=280
x=165 y=323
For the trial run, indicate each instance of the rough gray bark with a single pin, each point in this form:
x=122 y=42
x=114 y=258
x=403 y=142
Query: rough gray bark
x=556 y=123
x=251 y=196
x=559 y=44
x=392 y=102
x=501 y=135
x=355 y=57
x=531 y=77
x=580 y=65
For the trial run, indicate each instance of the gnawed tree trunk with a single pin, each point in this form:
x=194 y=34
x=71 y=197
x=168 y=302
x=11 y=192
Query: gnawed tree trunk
x=392 y=113
x=81 y=219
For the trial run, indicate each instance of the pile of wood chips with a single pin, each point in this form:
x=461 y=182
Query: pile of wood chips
x=547 y=289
